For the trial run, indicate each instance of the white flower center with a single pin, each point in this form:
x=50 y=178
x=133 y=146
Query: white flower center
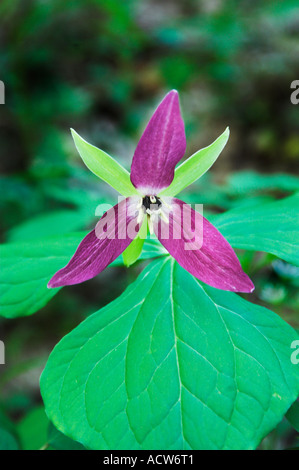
x=152 y=206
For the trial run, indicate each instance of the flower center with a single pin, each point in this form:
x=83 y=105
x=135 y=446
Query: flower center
x=151 y=203
x=153 y=208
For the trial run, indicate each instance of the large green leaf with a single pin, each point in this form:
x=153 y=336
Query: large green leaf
x=104 y=166
x=196 y=165
x=272 y=227
x=172 y=365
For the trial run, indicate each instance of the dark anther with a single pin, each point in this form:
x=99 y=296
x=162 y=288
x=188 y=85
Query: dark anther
x=152 y=203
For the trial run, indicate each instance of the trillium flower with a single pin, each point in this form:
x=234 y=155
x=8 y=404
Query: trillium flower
x=150 y=189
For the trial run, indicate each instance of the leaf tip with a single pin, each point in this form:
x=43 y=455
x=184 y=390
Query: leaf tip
x=227 y=132
x=74 y=133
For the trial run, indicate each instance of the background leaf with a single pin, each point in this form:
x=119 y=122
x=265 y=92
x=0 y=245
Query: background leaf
x=59 y=441
x=7 y=440
x=293 y=415
x=248 y=182
x=272 y=227
x=172 y=365
x=27 y=267
x=53 y=223
x=33 y=428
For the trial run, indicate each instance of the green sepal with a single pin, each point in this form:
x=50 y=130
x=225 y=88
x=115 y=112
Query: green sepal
x=104 y=166
x=196 y=165
x=134 y=250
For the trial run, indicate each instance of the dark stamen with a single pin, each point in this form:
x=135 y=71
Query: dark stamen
x=148 y=204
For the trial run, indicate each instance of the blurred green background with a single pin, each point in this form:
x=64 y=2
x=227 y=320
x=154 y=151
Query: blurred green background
x=101 y=67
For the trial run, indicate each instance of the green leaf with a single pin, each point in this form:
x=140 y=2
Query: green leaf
x=26 y=269
x=172 y=365
x=134 y=250
x=104 y=166
x=272 y=227
x=293 y=415
x=196 y=165
x=247 y=182
x=53 y=223
x=7 y=440
x=59 y=441
x=33 y=429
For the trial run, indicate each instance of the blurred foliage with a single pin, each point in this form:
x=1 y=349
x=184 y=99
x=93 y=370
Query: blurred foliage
x=100 y=67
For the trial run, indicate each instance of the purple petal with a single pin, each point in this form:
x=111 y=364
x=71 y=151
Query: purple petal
x=112 y=235
x=210 y=257
x=161 y=147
